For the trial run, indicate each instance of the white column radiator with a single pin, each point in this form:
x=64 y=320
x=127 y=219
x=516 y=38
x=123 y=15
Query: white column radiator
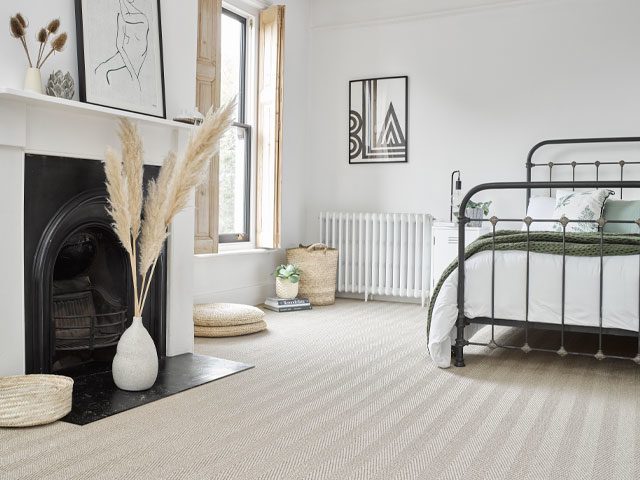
x=385 y=254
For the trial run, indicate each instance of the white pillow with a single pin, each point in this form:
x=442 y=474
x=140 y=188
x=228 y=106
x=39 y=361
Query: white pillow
x=540 y=208
x=580 y=206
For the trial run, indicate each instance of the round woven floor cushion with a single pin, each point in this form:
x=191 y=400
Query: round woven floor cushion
x=28 y=400
x=225 y=315
x=230 y=331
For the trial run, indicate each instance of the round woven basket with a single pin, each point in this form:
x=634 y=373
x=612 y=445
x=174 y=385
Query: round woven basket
x=28 y=400
x=230 y=331
x=319 y=266
x=225 y=314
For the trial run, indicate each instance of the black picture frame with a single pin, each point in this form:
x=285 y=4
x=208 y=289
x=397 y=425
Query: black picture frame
x=82 y=83
x=352 y=137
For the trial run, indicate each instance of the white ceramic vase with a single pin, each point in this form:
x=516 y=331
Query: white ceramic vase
x=135 y=366
x=286 y=289
x=33 y=80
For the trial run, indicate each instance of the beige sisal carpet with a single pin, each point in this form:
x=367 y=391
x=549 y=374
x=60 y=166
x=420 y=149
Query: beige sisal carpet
x=347 y=392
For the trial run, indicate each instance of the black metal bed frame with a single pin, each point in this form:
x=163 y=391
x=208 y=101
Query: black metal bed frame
x=528 y=186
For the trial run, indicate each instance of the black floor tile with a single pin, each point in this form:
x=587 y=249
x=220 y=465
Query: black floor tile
x=95 y=396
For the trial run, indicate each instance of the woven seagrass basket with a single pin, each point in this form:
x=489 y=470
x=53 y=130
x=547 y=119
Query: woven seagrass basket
x=227 y=320
x=28 y=400
x=319 y=266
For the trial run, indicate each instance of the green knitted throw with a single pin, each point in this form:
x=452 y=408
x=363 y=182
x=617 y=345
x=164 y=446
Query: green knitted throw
x=576 y=245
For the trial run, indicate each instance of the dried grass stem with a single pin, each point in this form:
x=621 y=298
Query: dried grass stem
x=166 y=196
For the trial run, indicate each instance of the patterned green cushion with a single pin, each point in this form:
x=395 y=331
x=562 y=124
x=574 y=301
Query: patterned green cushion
x=622 y=210
x=580 y=206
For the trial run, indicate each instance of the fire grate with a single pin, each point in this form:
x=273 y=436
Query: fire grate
x=79 y=325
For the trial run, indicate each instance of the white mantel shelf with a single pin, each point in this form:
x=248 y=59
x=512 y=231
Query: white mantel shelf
x=45 y=101
x=52 y=126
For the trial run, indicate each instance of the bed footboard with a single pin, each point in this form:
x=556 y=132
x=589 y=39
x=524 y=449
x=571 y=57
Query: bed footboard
x=462 y=321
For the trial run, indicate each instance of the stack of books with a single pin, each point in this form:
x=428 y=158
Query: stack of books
x=287 y=305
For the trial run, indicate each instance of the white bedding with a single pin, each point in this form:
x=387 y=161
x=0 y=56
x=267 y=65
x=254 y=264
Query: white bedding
x=620 y=294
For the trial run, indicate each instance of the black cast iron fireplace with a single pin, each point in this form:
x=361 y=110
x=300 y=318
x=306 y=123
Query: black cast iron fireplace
x=78 y=298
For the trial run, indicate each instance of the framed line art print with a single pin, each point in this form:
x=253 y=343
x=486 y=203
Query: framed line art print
x=120 y=55
x=378 y=120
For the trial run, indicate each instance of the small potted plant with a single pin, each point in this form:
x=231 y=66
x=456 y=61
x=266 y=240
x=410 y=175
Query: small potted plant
x=287 y=278
x=476 y=211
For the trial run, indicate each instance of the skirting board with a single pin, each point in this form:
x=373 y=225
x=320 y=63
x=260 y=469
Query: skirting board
x=249 y=295
x=383 y=298
x=255 y=295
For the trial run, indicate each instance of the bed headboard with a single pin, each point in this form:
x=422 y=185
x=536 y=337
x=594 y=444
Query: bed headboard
x=576 y=141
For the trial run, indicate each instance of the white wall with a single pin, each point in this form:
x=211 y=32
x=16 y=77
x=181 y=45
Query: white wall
x=179 y=29
x=487 y=79
x=237 y=277
x=485 y=84
x=295 y=117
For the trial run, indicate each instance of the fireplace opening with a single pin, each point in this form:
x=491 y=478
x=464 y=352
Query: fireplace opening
x=78 y=287
x=89 y=298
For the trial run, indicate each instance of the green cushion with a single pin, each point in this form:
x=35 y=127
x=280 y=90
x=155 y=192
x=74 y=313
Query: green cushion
x=621 y=210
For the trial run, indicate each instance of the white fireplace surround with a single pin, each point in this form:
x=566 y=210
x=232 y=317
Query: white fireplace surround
x=33 y=123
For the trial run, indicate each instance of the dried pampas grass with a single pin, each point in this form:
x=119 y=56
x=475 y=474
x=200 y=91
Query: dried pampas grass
x=155 y=232
x=132 y=152
x=132 y=174
x=118 y=207
x=156 y=229
x=201 y=147
x=166 y=196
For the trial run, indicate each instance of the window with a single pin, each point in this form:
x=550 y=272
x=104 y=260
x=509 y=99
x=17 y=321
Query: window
x=235 y=146
x=240 y=199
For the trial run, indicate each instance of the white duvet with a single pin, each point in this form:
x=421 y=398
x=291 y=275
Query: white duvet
x=620 y=294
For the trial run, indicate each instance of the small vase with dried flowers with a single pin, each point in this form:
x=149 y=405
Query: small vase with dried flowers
x=46 y=36
x=142 y=226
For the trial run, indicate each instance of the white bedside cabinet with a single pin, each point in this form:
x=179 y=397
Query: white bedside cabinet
x=445 y=246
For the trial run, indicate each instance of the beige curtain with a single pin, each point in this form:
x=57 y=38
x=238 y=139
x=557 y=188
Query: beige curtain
x=208 y=95
x=269 y=127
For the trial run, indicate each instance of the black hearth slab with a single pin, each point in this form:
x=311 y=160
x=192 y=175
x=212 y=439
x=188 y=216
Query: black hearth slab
x=95 y=396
